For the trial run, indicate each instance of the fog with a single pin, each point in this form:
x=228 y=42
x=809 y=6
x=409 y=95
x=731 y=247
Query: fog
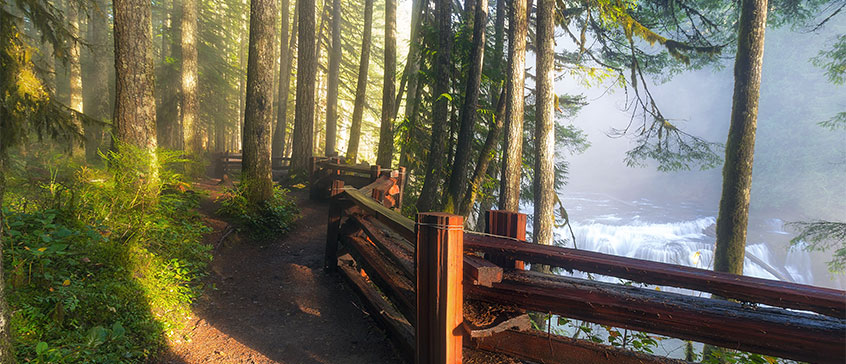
x=799 y=166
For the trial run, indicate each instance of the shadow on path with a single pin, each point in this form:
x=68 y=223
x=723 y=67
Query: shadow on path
x=272 y=303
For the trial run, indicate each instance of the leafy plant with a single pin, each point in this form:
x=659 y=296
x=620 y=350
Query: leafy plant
x=264 y=220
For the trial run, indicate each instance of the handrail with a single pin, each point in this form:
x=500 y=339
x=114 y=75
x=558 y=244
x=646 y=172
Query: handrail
x=371 y=234
x=344 y=167
x=771 y=292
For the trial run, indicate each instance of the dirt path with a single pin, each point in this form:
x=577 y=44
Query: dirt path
x=272 y=303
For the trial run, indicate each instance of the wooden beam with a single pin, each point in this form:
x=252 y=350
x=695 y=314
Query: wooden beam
x=826 y=301
x=770 y=331
x=400 y=224
x=440 y=299
x=384 y=274
x=481 y=272
x=399 y=329
x=536 y=346
x=400 y=252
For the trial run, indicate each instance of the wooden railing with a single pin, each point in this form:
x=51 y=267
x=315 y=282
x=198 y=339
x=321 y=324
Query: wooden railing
x=397 y=265
x=229 y=163
x=383 y=185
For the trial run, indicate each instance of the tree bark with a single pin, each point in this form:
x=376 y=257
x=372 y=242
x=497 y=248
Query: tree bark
x=485 y=157
x=168 y=122
x=303 y=142
x=189 y=103
x=242 y=78
x=737 y=170
x=135 y=112
x=412 y=68
x=258 y=113
x=7 y=355
x=286 y=57
x=361 y=88
x=334 y=75
x=386 y=131
x=544 y=184
x=74 y=64
x=97 y=104
x=512 y=149
x=467 y=117
x=428 y=195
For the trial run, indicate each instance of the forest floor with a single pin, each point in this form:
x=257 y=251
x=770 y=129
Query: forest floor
x=271 y=302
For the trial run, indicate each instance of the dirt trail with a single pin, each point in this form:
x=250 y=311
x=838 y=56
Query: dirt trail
x=272 y=303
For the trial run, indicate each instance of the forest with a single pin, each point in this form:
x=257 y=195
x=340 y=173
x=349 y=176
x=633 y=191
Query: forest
x=157 y=156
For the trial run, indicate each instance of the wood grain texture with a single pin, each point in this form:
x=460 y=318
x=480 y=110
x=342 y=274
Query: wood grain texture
x=775 y=293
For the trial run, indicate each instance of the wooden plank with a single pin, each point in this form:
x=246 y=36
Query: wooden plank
x=399 y=329
x=383 y=183
x=480 y=271
x=400 y=224
x=387 y=276
x=771 y=331
x=336 y=209
x=440 y=298
x=345 y=167
x=826 y=301
x=539 y=347
x=485 y=319
x=399 y=251
x=354 y=181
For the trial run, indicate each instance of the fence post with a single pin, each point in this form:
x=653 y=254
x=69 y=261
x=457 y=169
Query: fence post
x=401 y=179
x=506 y=223
x=330 y=258
x=440 y=301
x=375 y=170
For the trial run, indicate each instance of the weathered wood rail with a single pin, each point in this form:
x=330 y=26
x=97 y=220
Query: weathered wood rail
x=229 y=163
x=398 y=265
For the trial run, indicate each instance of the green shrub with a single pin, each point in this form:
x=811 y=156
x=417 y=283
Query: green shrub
x=102 y=266
x=262 y=221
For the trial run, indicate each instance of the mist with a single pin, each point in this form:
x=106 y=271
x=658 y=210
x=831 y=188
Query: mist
x=799 y=166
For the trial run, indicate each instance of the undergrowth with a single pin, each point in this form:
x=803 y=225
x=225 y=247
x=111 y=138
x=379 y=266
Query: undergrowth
x=102 y=263
x=262 y=221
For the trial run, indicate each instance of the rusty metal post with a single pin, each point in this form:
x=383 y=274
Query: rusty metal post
x=440 y=301
x=506 y=223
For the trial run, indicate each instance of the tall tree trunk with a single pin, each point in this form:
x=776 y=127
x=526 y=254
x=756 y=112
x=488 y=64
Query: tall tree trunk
x=334 y=75
x=242 y=78
x=386 y=131
x=412 y=68
x=428 y=195
x=97 y=78
x=499 y=45
x=285 y=59
x=258 y=113
x=189 y=102
x=737 y=170
x=168 y=123
x=303 y=142
x=544 y=181
x=485 y=157
x=466 y=131
x=135 y=106
x=74 y=64
x=361 y=88
x=7 y=356
x=512 y=149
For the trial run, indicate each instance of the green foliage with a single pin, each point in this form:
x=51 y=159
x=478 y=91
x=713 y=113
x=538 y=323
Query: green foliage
x=101 y=270
x=822 y=236
x=263 y=221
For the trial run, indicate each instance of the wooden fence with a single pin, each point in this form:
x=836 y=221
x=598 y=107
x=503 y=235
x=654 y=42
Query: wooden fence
x=444 y=294
x=229 y=163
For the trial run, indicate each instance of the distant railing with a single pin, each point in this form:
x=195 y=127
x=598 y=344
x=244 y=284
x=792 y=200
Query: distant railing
x=229 y=163
x=397 y=265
